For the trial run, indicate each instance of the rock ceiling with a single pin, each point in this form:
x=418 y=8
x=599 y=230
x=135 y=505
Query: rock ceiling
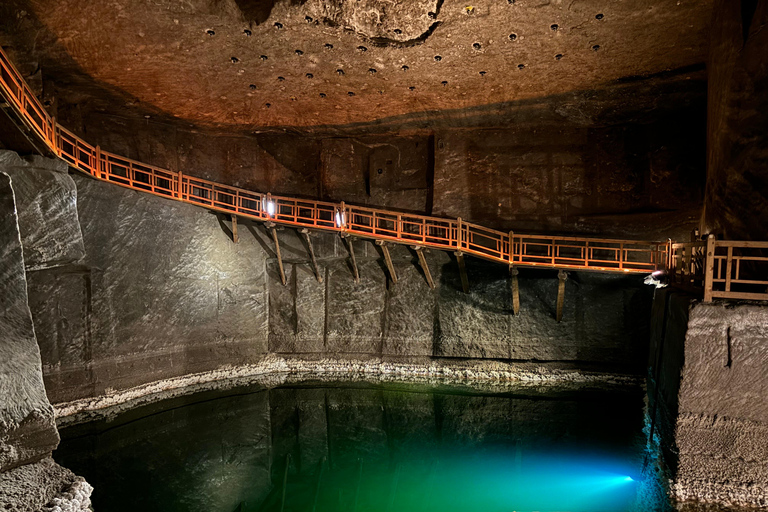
x=261 y=64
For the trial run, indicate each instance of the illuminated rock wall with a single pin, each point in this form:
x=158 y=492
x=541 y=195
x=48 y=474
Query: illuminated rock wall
x=29 y=479
x=163 y=292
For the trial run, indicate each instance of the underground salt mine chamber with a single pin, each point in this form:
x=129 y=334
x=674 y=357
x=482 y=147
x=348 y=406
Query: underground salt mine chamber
x=376 y=256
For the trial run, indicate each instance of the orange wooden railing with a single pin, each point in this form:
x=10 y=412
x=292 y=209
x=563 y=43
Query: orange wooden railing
x=605 y=255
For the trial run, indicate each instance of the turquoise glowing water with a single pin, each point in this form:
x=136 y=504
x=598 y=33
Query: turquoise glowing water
x=367 y=448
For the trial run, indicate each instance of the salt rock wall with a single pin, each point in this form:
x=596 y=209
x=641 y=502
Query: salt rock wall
x=27 y=428
x=45 y=230
x=163 y=292
x=707 y=398
x=737 y=122
x=722 y=425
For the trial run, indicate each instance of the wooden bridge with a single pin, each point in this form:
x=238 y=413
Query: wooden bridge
x=694 y=264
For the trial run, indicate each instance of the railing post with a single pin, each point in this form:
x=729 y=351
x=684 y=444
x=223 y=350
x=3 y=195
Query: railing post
x=710 y=268
x=180 y=186
x=511 y=247
x=54 y=142
x=458 y=233
x=97 y=167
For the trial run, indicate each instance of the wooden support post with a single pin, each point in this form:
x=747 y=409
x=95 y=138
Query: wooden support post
x=710 y=269
x=462 y=271
x=235 y=238
x=423 y=262
x=561 y=276
x=388 y=260
x=315 y=268
x=273 y=229
x=351 y=250
x=515 y=290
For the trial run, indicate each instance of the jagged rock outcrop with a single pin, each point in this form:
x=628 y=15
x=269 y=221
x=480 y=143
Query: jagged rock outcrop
x=27 y=428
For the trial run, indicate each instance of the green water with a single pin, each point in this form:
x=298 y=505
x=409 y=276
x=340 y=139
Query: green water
x=367 y=448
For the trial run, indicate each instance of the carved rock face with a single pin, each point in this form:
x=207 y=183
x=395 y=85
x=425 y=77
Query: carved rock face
x=394 y=22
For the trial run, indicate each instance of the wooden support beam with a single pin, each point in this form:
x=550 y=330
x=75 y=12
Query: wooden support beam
x=561 y=276
x=462 y=271
x=351 y=250
x=315 y=268
x=271 y=227
x=423 y=262
x=235 y=238
x=515 y=290
x=388 y=260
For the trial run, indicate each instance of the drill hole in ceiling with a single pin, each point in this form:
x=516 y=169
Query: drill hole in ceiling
x=310 y=76
x=477 y=46
x=438 y=58
x=340 y=72
x=299 y=53
x=210 y=32
x=405 y=68
x=595 y=47
x=278 y=25
x=554 y=27
x=263 y=57
x=599 y=16
x=234 y=60
x=512 y=37
x=247 y=32
x=372 y=71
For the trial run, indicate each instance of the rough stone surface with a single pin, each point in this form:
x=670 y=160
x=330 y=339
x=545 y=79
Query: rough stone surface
x=163 y=292
x=27 y=429
x=108 y=63
x=712 y=420
x=737 y=123
x=722 y=429
x=46 y=201
x=43 y=486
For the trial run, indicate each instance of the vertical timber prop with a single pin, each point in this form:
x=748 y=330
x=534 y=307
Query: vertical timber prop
x=423 y=262
x=235 y=238
x=348 y=240
x=388 y=260
x=513 y=272
x=315 y=269
x=462 y=271
x=271 y=226
x=562 y=276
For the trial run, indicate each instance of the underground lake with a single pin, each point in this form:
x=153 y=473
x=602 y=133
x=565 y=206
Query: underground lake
x=369 y=446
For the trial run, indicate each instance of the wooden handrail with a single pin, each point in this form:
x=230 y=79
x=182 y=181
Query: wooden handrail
x=575 y=253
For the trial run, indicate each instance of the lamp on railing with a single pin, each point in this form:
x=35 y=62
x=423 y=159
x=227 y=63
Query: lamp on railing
x=340 y=216
x=269 y=206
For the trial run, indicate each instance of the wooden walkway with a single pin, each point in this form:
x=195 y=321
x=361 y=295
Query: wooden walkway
x=419 y=231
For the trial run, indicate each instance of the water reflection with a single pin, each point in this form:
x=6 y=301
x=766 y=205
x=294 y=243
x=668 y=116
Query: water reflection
x=367 y=448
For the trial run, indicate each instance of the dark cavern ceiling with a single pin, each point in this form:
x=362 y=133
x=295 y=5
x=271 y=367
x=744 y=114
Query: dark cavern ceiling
x=255 y=65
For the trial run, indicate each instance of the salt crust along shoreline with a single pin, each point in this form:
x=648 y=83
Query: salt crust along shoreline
x=274 y=371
